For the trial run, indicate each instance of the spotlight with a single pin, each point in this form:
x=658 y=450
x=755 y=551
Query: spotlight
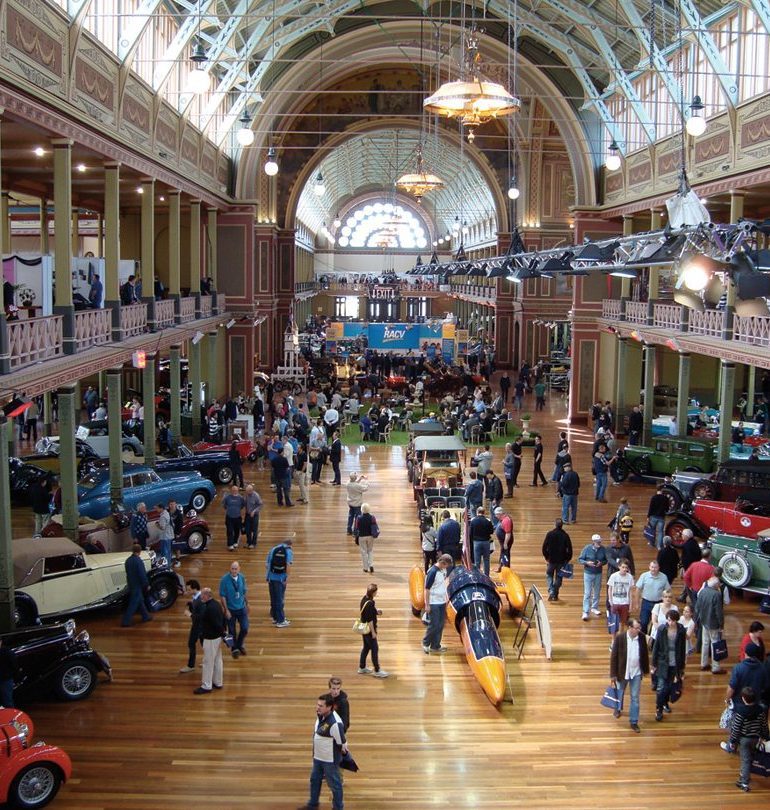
x=230 y=324
x=697 y=272
x=197 y=338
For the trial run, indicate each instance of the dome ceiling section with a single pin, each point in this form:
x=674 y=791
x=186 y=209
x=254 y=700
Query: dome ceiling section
x=375 y=161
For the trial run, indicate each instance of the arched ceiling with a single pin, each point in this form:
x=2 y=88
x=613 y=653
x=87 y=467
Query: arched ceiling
x=375 y=160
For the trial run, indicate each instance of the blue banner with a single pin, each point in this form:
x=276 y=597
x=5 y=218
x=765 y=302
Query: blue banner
x=398 y=337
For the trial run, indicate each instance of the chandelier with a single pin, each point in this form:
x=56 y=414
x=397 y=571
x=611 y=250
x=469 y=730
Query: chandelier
x=419 y=183
x=472 y=99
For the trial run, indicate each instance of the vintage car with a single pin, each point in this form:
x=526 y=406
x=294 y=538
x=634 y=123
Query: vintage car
x=732 y=479
x=54 y=577
x=22 y=477
x=113 y=534
x=747 y=517
x=665 y=456
x=30 y=774
x=214 y=466
x=437 y=465
x=247 y=450
x=97 y=434
x=745 y=563
x=53 y=658
x=162 y=405
x=739 y=452
x=46 y=455
x=142 y=484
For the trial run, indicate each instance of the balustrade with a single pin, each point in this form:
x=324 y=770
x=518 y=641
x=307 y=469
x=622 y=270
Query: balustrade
x=133 y=319
x=710 y=322
x=611 y=308
x=753 y=329
x=93 y=327
x=636 y=312
x=186 y=309
x=668 y=316
x=205 y=306
x=164 y=313
x=35 y=339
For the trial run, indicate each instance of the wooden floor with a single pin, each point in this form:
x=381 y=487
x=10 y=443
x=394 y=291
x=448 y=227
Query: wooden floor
x=426 y=736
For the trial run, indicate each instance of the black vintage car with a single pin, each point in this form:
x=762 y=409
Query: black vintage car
x=214 y=466
x=53 y=658
x=46 y=456
x=22 y=477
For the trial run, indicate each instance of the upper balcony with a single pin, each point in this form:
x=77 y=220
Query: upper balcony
x=477 y=293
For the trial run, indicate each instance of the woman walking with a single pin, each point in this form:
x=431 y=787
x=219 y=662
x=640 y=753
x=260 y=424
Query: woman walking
x=369 y=613
x=366 y=530
x=234 y=457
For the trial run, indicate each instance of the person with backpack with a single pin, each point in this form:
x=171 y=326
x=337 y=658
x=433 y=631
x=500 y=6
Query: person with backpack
x=278 y=561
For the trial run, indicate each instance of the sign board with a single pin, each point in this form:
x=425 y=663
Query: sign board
x=82 y=433
x=139 y=359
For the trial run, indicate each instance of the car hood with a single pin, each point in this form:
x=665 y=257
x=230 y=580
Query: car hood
x=179 y=475
x=114 y=559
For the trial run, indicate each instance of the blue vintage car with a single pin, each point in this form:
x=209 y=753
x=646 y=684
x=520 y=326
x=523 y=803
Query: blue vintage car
x=140 y=483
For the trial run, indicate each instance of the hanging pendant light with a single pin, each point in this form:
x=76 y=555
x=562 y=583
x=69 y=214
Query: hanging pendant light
x=613 y=158
x=245 y=135
x=419 y=183
x=513 y=190
x=199 y=80
x=696 y=123
x=271 y=164
x=319 y=187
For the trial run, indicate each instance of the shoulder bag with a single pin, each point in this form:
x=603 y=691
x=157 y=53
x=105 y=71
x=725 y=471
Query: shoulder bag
x=359 y=625
x=375 y=530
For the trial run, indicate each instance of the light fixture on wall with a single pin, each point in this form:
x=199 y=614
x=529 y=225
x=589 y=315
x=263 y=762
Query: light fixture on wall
x=613 y=157
x=696 y=123
x=271 y=164
x=245 y=135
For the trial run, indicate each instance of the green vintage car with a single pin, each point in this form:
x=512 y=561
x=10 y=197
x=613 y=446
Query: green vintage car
x=667 y=455
x=745 y=562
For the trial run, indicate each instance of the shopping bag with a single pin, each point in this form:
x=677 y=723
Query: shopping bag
x=566 y=571
x=347 y=763
x=676 y=692
x=612 y=698
x=719 y=649
x=649 y=534
x=760 y=762
x=726 y=719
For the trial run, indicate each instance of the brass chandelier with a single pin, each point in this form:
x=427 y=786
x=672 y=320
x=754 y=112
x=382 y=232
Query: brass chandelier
x=419 y=183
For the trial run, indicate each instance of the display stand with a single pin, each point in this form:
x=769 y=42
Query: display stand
x=291 y=373
x=534 y=612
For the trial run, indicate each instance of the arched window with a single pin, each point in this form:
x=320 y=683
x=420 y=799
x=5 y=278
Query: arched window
x=382 y=225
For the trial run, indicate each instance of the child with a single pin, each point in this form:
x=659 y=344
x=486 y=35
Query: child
x=624 y=521
x=688 y=622
x=748 y=726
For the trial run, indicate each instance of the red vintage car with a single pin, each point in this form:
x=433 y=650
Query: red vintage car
x=246 y=448
x=746 y=517
x=30 y=775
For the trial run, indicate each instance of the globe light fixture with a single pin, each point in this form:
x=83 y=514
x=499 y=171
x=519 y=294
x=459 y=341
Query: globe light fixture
x=513 y=190
x=271 y=164
x=696 y=123
x=199 y=80
x=613 y=158
x=319 y=187
x=245 y=135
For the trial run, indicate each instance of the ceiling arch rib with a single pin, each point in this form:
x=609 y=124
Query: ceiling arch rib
x=135 y=27
x=762 y=9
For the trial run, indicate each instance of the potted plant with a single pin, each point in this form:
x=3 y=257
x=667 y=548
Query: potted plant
x=525 y=420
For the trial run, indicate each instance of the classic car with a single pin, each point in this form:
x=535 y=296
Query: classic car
x=747 y=517
x=54 y=577
x=46 y=455
x=214 y=466
x=22 y=477
x=112 y=533
x=745 y=563
x=97 y=434
x=246 y=449
x=666 y=455
x=142 y=484
x=437 y=468
x=743 y=451
x=162 y=405
x=54 y=658
x=30 y=775
x=733 y=478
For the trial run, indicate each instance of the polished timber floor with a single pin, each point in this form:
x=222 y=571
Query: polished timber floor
x=426 y=736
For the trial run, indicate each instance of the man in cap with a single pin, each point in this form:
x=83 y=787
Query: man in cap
x=593 y=558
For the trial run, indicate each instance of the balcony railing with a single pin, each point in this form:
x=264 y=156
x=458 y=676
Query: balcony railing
x=93 y=327
x=611 y=309
x=667 y=316
x=476 y=291
x=636 y=312
x=221 y=303
x=164 y=313
x=710 y=322
x=133 y=319
x=186 y=309
x=35 y=339
x=205 y=306
x=753 y=329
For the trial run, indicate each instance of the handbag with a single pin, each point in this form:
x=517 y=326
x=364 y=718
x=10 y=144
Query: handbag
x=360 y=626
x=676 y=691
x=375 y=528
x=613 y=698
x=566 y=571
x=760 y=761
x=347 y=763
x=726 y=719
x=719 y=649
x=649 y=534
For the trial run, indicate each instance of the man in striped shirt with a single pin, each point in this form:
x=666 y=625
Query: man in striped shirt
x=328 y=746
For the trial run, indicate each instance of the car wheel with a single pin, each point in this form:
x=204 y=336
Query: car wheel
x=224 y=475
x=736 y=570
x=675 y=499
x=196 y=542
x=164 y=591
x=199 y=501
x=35 y=786
x=703 y=490
x=674 y=531
x=128 y=448
x=621 y=472
x=23 y=614
x=75 y=681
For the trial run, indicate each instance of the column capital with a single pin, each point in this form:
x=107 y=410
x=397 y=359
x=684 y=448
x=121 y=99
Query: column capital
x=147 y=181
x=684 y=354
x=67 y=388
x=196 y=202
x=212 y=209
x=62 y=143
x=115 y=370
x=175 y=192
x=175 y=347
x=727 y=364
x=113 y=164
x=737 y=192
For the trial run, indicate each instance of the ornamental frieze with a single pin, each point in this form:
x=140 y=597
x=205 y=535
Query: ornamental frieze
x=94 y=84
x=29 y=39
x=136 y=114
x=755 y=131
x=710 y=148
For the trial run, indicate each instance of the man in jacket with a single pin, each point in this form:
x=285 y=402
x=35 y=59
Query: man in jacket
x=710 y=612
x=629 y=663
x=480 y=532
x=212 y=627
x=483 y=460
x=493 y=491
x=569 y=488
x=750 y=672
x=593 y=558
x=670 y=642
x=355 y=494
x=194 y=612
x=537 y=471
x=635 y=425
x=166 y=536
x=617 y=551
x=282 y=475
x=138 y=585
x=748 y=726
x=557 y=552
x=328 y=746
x=138 y=526
x=279 y=560
x=448 y=537
x=474 y=493
x=656 y=515
x=435 y=604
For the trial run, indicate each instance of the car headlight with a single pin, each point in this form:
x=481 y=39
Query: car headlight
x=69 y=626
x=160 y=562
x=84 y=637
x=192 y=513
x=22 y=729
x=152 y=555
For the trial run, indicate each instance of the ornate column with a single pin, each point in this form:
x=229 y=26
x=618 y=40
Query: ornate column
x=620 y=383
x=76 y=232
x=649 y=384
x=175 y=382
x=683 y=393
x=194 y=374
x=751 y=390
x=148 y=399
x=44 y=241
x=194 y=270
x=148 y=250
x=112 y=245
x=727 y=377
x=115 y=399
x=68 y=476
x=211 y=241
x=62 y=195
x=5 y=350
x=5 y=220
x=7 y=622
x=628 y=230
x=211 y=368
x=174 y=250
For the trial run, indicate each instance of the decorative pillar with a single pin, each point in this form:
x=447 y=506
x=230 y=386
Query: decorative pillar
x=727 y=386
x=683 y=394
x=100 y=236
x=175 y=382
x=62 y=223
x=194 y=270
x=148 y=399
x=620 y=383
x=115 y=400
x=6 y=535
x=112 y=245
x=737 y=199
x=68 y=475
x=211 y=370
x=47 y=414
x=628 y=230
x=194 y=374
x=76 y=232
x=649 y=384
x=5 y=220
x=211 y=241
x=751 y=391
x=148 y=250
x=45 y=248
x=174 y=250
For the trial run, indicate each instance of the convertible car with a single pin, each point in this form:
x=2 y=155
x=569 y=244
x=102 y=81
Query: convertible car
x=747 y=517
x=212 y=465
x=22 y=477
x=745 y=563
x=247 y=450
x=46 y=455
x=54 y=577
x=142 y=484
x=53 y=658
